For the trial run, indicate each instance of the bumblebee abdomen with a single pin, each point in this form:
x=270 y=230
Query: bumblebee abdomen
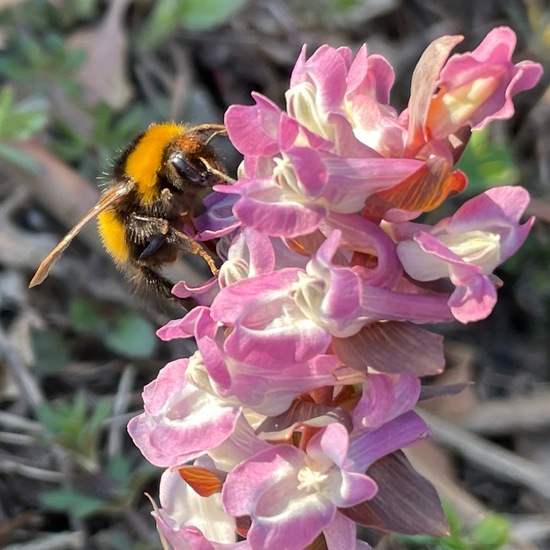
x=113 y=235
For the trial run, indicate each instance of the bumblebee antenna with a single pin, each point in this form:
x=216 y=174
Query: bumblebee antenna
x=222 y=175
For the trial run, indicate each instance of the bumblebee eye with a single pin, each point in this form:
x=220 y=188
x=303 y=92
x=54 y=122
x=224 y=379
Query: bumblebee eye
x=186 y=170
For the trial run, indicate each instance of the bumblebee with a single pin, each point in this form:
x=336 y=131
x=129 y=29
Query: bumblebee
x=156 y=190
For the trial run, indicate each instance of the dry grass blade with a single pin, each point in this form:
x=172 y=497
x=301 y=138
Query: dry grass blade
x=492 y=458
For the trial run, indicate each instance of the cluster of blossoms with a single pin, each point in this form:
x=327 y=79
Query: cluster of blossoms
x=284 y=429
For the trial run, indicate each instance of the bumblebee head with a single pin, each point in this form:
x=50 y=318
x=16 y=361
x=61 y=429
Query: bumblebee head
x=172 y=154
x=190 y=167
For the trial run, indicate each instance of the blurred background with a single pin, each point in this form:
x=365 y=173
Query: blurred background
x=78 y=80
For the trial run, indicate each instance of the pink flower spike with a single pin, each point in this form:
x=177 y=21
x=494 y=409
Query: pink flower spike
x=324 y=284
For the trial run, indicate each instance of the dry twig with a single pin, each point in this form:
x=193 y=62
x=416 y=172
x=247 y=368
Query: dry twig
x=490 y=457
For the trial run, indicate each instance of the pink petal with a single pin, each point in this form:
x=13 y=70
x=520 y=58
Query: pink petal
x=253 y=129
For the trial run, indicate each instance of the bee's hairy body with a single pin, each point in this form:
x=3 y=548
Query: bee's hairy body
x=144 y=230
x=157 y=188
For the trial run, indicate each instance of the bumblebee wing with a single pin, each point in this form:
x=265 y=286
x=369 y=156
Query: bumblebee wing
x=107 y=199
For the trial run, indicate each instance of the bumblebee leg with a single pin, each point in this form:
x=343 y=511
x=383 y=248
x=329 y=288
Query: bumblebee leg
x=153 y=232
x=142 y=229
x=156 y=242
x=187 y=244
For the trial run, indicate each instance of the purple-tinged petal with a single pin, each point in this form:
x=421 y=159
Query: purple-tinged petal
x=218 y=219
x=310 y=171
x=377 y=126
x=366 y=237
x=331 y=446
x=367 y=446
x=351 y=181
x=203 y=294
x=271 y=391
x=241 y=445
x=197 y=322
x=413 y=511
x=250 y=254
x=392 y=347
x=354 y=488
x=384 y=398
x=292 y=133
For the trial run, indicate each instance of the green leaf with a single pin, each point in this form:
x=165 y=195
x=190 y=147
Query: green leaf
x=25 y=119
x=66 y=500
x=47 y=417
x=119 y=540
x=18 y=157
x=88 y=438
x=343 y=5
x=196 y=15
x=86 y=318
x=119 y=469
x=491 y=533
x=487 y=164
x=132 y=336
x=20 y=121
x=452 y=519
x=51 y=351
x=206 y=14
x=6 y=102
x=100 y=413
